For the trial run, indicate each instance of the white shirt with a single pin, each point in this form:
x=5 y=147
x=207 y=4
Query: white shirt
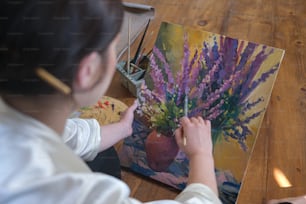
x=37 y=167
x=83 y=136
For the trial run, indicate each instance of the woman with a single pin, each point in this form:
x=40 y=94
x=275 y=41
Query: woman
x=57 y=56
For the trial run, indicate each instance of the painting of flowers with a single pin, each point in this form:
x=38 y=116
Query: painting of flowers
x=225 y=80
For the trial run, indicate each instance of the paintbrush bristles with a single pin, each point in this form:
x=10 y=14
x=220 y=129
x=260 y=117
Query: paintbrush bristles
x=53 y=81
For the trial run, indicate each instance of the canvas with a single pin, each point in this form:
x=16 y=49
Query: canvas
x=227 y=81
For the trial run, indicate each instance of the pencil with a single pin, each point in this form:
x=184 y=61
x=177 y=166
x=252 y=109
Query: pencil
x=53 y=81
x=186 y=115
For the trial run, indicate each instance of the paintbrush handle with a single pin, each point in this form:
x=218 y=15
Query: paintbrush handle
x=186 y=106
x=186 y=115
x=140 y=44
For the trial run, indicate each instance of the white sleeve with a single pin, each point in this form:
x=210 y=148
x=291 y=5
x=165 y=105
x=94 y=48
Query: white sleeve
x=198 y=194
x=193 y=194
x=70 y=188
x=83 y=137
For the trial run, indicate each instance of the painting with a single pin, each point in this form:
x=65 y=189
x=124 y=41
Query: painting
x=227 y=81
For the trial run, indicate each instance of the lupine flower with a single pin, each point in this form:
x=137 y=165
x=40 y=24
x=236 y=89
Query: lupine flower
x=218 y=80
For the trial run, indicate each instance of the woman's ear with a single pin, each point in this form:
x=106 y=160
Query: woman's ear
x=88 y=71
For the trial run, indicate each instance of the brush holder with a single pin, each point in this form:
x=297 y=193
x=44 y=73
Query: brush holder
x=131 y=81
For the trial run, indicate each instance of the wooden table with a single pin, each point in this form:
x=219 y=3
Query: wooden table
x=281 y=142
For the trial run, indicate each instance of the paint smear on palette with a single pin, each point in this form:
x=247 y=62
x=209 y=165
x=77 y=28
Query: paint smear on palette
x=227 y=81
x=106 y=111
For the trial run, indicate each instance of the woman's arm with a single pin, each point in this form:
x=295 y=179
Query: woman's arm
x=198 y=149
x=112 y=133
x=87 y=138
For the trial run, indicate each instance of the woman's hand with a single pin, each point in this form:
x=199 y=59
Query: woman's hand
x=127 y=118
x=112 y=133
x=197 y=133
x=198 y=149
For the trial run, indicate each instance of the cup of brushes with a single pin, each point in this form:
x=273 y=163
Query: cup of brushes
x=132 y=75
x=132 y=71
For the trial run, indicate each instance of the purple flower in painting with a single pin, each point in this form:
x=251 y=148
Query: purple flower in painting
x=183 y=88
x=247 y=106
x=196 y=61
x=157 y=77
x=218 y=80
x=170 y=78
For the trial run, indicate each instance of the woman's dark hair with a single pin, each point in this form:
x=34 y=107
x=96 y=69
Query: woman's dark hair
x=53 y=34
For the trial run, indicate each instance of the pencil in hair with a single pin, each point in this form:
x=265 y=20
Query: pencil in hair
x=53 y=81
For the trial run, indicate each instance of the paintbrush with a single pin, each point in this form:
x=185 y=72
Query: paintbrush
x=129 y=46
x=186 y=115
x=140 y=44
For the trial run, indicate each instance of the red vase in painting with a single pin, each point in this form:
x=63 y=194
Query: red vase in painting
x=161 y=150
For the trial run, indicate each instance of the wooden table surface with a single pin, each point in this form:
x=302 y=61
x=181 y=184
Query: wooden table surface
x=281 y=142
